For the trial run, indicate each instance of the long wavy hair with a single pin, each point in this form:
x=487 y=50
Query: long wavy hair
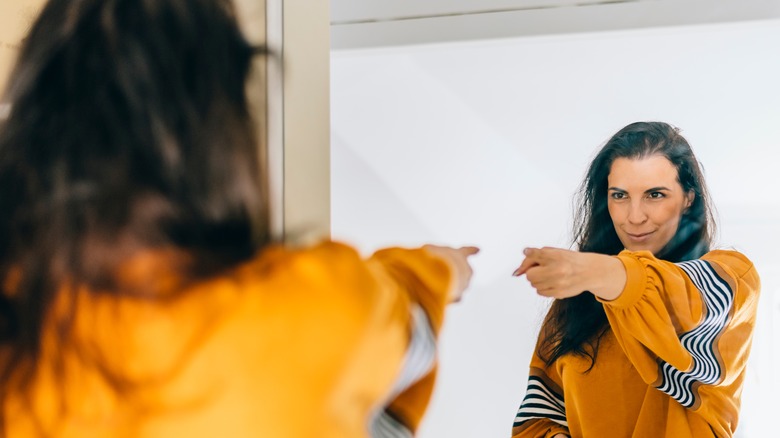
x=575 y=325
x=129 y=130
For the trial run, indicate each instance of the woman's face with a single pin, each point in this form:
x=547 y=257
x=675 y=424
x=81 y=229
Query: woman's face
x=645 y=201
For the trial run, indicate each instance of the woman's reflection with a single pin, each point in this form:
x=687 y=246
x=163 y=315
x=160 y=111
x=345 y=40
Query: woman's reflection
x=657 y=344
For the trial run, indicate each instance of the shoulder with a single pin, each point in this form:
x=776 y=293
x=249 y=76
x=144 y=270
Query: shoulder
x=329 y=249
x=323 y=262
x=328 y=278
x=327 y=260
x=324 y=252
x=735 y=261
x=324 y=285
x=736 y=265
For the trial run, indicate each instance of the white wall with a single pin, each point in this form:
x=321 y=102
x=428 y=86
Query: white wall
x=485 y=143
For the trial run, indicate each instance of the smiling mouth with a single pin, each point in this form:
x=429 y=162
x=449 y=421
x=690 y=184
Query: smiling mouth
x=639 y=237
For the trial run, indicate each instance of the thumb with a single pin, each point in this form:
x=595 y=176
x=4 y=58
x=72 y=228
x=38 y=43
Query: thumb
x=531 y=260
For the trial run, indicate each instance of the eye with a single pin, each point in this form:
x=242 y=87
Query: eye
x=617 y=195
x=656 y=195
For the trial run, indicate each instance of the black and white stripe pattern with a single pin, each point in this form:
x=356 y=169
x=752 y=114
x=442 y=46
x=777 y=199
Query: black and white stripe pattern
x=700 y=342
x=541 y=402
x=385 y=426
x=421 y=354
x=418 y=362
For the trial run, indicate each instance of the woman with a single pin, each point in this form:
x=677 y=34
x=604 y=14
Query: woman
x=142 y=294
x=650 y=330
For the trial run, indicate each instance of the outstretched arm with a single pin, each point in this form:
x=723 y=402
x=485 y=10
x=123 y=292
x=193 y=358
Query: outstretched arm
x=411 y=393
x=561 y=273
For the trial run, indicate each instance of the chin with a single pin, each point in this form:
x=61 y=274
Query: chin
x=634 y=248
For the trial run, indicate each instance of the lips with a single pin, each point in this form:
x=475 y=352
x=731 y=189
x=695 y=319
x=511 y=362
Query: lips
x=639 y=237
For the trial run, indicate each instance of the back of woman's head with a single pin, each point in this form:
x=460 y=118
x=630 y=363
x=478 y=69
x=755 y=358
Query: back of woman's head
x=593 y=227
x=128 y=130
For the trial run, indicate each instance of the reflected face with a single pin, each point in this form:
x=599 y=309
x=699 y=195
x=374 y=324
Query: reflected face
x=645 y=202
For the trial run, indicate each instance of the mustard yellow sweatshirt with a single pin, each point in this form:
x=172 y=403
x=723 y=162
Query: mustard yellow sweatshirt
x=307 y=343
x=672 y=364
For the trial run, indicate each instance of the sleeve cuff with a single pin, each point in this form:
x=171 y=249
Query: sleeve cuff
x=636 y=279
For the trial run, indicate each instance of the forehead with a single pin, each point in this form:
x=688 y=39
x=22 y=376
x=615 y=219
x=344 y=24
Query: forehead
x=643 y=173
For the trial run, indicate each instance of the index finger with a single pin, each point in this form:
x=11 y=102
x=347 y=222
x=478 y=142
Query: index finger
x=468 y=250
x=529 y=261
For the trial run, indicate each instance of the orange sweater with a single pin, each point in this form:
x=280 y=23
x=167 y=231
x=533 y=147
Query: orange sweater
x=672 y=364
x=304 y=343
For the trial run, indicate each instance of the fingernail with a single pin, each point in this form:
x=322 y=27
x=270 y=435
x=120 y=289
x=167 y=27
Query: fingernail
x=516 y=273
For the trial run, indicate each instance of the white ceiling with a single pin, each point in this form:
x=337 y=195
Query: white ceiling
x=374 y=23
x=352 y=11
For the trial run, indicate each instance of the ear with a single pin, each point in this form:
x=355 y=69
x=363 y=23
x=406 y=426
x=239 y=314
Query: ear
x=689 y=197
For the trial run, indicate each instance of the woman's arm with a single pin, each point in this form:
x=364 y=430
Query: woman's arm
x=430 y=278
x=542 y=413
x=560 y=273
x=686 y=327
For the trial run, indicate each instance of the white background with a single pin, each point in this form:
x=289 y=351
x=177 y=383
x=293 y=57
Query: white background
x=486 y=142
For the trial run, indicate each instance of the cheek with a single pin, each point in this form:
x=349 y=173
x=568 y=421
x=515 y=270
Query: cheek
x=668 y=216
x=614 y=212
x=618 y=214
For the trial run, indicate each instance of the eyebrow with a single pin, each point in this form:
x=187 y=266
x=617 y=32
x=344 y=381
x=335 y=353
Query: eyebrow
x=654 y=189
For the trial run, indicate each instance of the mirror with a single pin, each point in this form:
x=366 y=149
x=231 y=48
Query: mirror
x=15 y=20
x=486 y=141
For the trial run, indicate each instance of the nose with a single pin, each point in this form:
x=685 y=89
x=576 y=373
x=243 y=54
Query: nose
x=636 y=213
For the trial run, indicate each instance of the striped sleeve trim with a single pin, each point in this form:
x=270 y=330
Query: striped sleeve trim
x=385 y=426
x=700 y=342
x=420 y=355
x=541 y=401
x=418 y=362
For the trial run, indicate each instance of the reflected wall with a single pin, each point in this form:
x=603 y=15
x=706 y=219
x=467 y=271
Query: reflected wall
x=486 y=142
